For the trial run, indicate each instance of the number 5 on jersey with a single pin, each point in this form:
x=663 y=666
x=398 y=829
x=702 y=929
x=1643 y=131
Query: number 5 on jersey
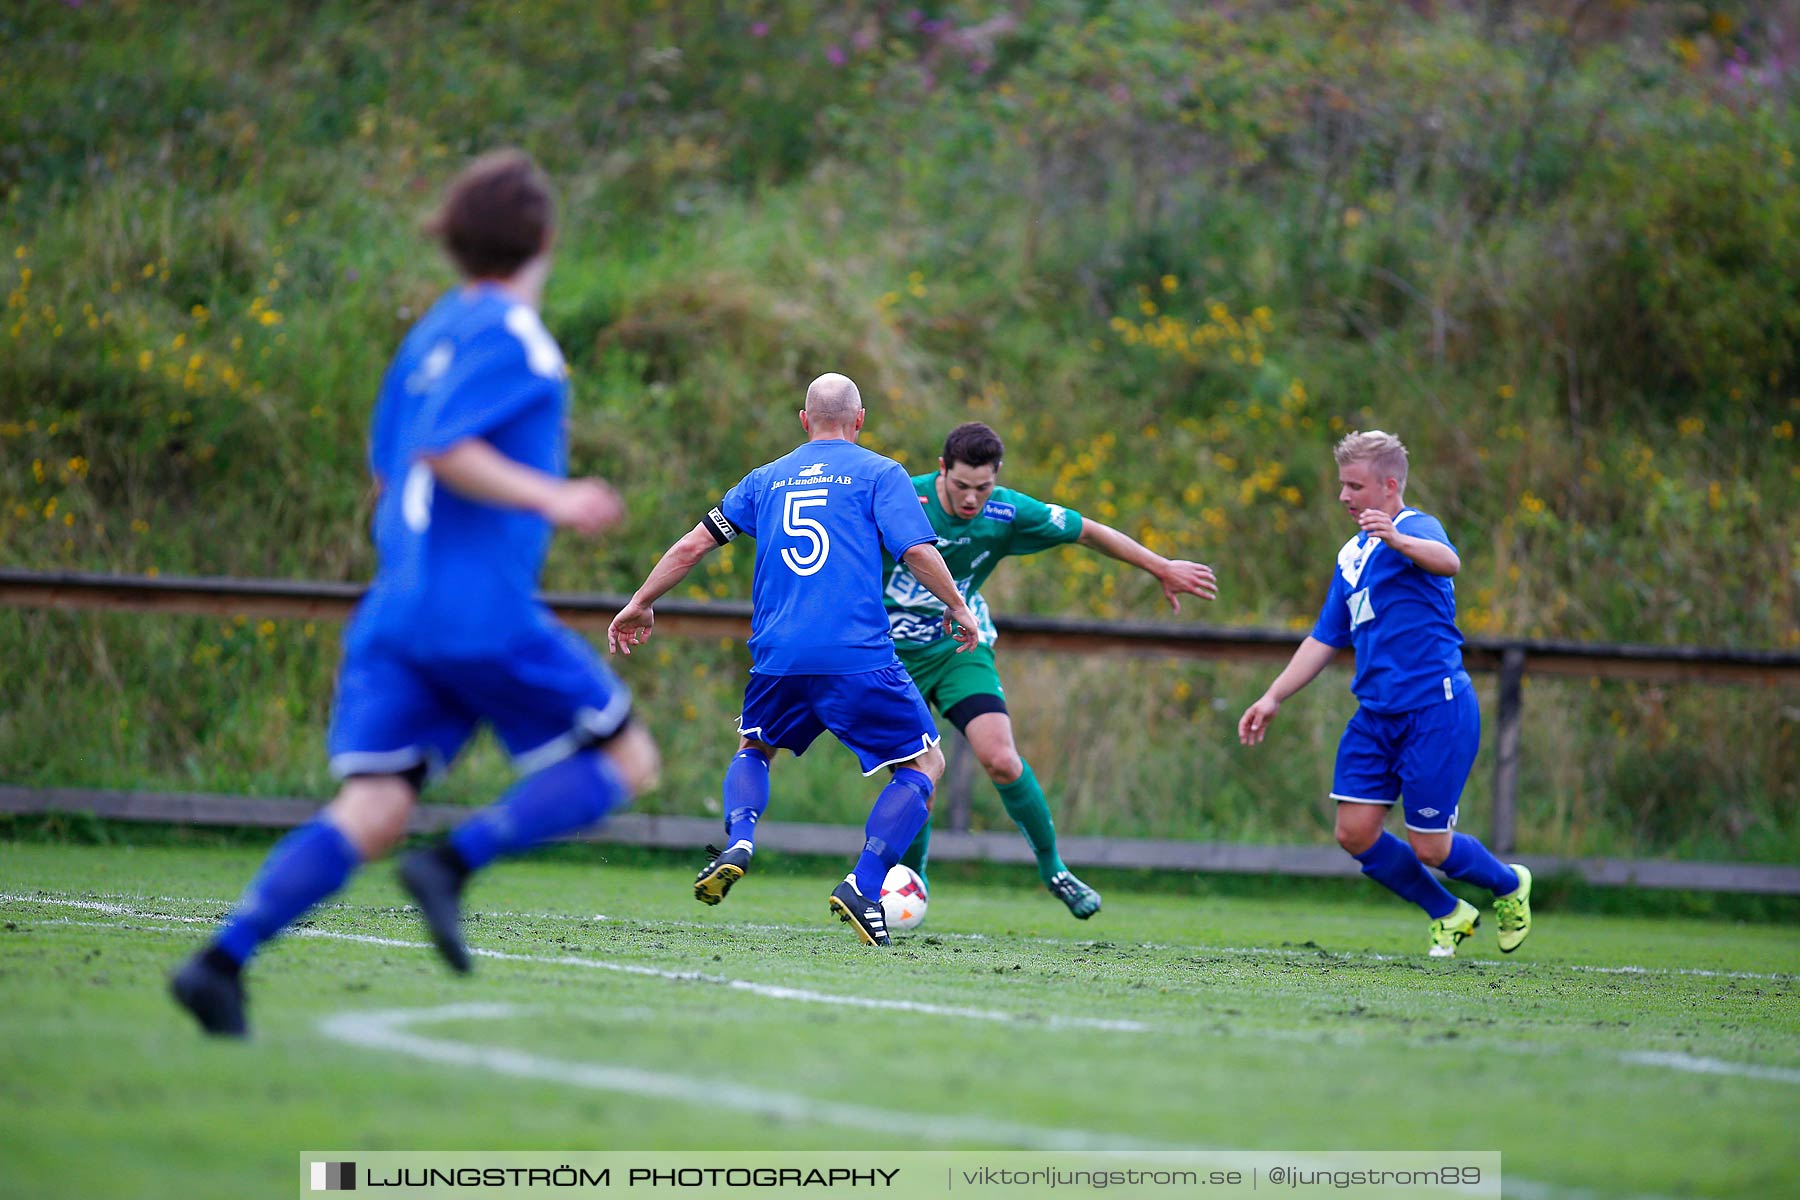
x=796 y=525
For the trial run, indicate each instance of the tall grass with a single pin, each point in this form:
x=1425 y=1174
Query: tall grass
x=1170 y=251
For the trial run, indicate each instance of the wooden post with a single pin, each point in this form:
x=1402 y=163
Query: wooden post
x=959 y=775
x=1506 y=760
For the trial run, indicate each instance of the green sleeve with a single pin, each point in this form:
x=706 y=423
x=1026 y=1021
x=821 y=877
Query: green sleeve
x=1039 y=526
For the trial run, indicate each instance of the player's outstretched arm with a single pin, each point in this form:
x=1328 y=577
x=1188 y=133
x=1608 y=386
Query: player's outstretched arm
x=928 y=567
x=475 y=470
x=1177 y=576
x=1309 y=659
x=631 y=627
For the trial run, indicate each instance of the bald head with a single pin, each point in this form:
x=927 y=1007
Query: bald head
x=833 y=406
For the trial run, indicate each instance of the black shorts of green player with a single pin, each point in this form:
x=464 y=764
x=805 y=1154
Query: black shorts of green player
x=978 y=524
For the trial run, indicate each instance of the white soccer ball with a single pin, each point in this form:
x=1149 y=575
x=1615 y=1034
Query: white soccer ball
x=903 y=898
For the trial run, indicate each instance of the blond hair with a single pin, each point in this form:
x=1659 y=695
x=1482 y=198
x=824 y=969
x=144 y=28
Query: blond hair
x=1383 y=451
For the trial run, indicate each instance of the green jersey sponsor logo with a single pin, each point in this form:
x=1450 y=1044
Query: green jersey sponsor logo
x=1012 y=523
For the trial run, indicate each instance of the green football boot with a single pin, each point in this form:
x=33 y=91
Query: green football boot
x=1083 y=901
x=1513 y=912
x=1447 y=932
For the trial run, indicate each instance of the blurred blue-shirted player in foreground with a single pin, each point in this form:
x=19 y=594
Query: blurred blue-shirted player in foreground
x=1418 y=726
x=821 y=654
x=467 y=448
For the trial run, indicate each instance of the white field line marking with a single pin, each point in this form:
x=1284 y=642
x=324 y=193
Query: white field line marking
x=390 y=1037
x=494 y=1060
x=389 y=1031
x=117 y=910
x=504 y=914
x=1673 y=1061
x=1519 y=1188
x=1775 y=977
x=769 y=927
x=766 y=990
x=1371 y=956
x=1267 y=1035
x=1711 y=1066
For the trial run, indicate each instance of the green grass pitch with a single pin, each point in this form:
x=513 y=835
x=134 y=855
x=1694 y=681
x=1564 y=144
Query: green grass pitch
x=1613 y=1056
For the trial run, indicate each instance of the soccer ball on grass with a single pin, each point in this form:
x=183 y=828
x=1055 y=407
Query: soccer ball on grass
x=903 y=898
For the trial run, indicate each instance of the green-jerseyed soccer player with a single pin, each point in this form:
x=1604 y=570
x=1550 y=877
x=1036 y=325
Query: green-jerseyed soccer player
x=979 y=523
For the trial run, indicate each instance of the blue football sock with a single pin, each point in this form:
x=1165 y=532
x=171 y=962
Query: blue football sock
x=899 y=813
x=1392 y=863
x=561 y=798
x=746 y=795
x=1471 y=862
x=306 y=866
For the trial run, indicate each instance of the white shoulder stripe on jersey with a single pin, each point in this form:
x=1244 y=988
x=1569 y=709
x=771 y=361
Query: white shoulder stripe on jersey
x=542 y=354
x=1353 y=558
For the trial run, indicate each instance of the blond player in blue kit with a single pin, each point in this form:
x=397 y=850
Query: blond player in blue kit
x=1418 y=725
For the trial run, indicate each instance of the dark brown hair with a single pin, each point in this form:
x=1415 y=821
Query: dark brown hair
x=496 y=215
x=974 y=445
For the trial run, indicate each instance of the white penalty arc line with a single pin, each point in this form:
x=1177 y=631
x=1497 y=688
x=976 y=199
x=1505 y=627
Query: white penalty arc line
x=766 y=990
x=100 y=905
x=391 y=1030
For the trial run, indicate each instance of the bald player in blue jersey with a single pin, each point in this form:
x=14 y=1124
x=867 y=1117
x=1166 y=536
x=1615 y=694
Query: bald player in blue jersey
x=822 y=658
x=1418 y=725
x=468 y=450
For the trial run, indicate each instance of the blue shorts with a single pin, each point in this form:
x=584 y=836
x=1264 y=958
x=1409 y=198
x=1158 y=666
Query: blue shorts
x=879 y=715
x=1423 y=755
x=546 y=698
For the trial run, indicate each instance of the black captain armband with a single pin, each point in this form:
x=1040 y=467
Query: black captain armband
x=716 y=524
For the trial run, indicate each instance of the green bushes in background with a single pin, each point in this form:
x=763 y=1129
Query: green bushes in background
x=1171 y=251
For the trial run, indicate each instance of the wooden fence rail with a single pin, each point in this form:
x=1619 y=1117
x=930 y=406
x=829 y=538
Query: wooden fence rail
x=1511 y=658
x=843 y=841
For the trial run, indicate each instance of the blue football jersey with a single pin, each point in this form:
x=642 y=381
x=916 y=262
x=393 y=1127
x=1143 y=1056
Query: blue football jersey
x=822 y=515
x=456 y=577
x=1400 y=617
